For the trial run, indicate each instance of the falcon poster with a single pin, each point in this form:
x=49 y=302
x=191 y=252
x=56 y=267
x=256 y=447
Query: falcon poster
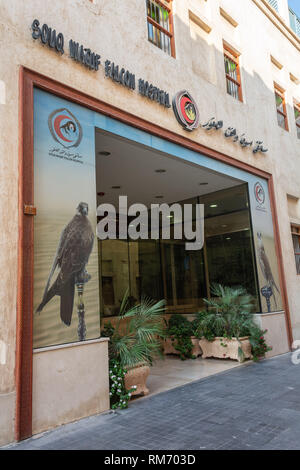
x=266 y=257
x=66 y=286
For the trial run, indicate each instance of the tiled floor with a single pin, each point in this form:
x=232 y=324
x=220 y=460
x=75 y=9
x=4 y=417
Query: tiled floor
x=171 y=372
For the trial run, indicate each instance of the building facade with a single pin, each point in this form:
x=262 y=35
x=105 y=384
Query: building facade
x=165 y=101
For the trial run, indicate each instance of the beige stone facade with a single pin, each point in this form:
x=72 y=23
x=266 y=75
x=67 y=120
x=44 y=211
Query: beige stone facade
x=117 y=30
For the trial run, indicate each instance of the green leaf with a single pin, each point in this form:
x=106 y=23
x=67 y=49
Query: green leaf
x=136 y=336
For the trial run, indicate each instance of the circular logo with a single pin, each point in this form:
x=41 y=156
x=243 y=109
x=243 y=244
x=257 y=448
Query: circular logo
x=65 y=128
x=259 y=193
x=186 y=110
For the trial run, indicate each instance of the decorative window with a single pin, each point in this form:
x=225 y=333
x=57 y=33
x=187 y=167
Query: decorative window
x=281 y=108
x=294 y=22
x=297 y=118
x=160 y=25
x=296 y=242
x=233 y=75
x=274 y=4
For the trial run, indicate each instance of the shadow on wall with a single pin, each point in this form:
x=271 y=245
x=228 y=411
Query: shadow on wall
x=256 y=114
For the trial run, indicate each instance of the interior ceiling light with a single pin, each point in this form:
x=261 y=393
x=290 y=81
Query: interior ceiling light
x=104 y=152
x=224 y=226
x=213 y=206
x=160 y=170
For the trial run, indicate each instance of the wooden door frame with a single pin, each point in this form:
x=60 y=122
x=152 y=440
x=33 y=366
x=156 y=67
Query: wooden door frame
x=29 y=79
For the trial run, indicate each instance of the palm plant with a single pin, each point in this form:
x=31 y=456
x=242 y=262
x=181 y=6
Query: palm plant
x=180 y=330
x=229 y=313
x=136 y=337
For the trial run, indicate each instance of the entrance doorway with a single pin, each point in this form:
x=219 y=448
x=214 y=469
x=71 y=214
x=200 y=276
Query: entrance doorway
x=164 y=268
x=57 y=171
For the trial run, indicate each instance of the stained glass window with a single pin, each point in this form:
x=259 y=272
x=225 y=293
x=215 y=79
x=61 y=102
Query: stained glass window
x=297 y=118
x=232 y=72
x=296 y=244
x=160 y=25
x=281 y=108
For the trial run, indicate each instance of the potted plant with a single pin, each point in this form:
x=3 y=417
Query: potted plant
x=227 y=329
x=135 y=341
x=180 y=338
x=258 y=343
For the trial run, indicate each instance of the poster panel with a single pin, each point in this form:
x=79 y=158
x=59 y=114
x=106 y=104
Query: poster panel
x=263 y=234
x=66 y=285
x=262 y=223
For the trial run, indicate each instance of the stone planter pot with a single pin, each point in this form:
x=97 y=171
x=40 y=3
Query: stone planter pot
x=137 y=376
x=217 y=349
x=197 y=351
x=169 y=348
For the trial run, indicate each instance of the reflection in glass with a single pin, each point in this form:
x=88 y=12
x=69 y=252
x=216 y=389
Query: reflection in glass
x=165 y=269
x=184 y=276
x=149 y=280
x=229 y=240
x=114 y=271
x=297 y=251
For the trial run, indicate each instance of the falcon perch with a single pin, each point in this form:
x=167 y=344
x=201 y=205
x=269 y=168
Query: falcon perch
x=74 y=249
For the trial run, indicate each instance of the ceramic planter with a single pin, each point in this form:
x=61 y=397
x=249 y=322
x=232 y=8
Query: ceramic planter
x=137 y=376
x=224 y=348
x=169 y=348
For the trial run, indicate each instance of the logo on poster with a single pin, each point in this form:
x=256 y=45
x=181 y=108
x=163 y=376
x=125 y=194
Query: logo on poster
x=65 y=128
x=186 y=110
x=259 y=193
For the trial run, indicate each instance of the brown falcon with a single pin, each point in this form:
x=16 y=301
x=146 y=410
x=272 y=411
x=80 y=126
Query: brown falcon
x=265 y=265
x=74 y=249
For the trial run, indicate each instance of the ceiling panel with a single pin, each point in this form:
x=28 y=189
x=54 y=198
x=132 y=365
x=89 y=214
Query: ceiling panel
x=132 y=166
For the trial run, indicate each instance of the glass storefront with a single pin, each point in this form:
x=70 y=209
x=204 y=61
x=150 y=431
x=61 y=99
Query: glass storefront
x=165 y=269
x=229 y=240
x=76 y=282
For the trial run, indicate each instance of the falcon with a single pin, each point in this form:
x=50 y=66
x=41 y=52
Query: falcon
x=73 y=252
x=265 y=265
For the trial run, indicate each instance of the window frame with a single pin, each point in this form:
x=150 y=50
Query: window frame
x=278 y=91
x=297 y=107
x=234 y=57
x=103 y=280
x=295 y=231
x=274 y=5
x=167 y=5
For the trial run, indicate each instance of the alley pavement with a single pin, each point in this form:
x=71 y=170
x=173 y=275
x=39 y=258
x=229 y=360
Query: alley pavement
x=255 y=406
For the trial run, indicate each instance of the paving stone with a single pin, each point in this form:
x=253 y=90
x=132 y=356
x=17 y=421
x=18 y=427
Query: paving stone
x=256 y=406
